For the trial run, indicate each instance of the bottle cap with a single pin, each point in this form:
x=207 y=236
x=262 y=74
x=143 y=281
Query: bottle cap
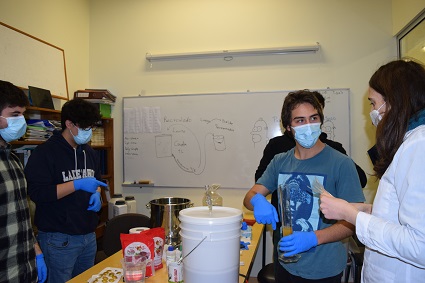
x=117 y=196
x=170 y=248
x=244 y=226
x=119 y=202
x=129 y=198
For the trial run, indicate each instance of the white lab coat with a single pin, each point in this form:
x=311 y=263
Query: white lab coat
x=395 y=232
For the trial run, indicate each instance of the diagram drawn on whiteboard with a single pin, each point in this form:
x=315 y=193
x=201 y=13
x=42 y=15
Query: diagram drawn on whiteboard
x=328 y=127
x=193 y=140
x=260 y=133
x=184 y=147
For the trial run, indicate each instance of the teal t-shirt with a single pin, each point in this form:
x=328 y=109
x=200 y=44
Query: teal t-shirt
x=337 y=173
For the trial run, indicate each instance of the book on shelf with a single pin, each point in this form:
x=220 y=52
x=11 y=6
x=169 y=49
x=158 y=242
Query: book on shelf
x=107 y=92
x=39 y=130
x=100 y=101
x=95 y=94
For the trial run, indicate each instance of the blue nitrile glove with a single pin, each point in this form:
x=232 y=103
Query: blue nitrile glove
x=264 y=211
x=95 y=204
x=244 y=245
x=41 y=268
x=88 y=184
x=297 y=242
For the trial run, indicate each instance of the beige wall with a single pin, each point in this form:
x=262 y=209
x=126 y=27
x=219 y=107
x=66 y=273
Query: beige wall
x=404 y=11
x=356 y=37
x=105 y=42
x=63 y=23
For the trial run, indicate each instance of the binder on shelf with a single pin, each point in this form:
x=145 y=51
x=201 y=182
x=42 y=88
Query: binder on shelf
x=107 y=92
x=98 y=94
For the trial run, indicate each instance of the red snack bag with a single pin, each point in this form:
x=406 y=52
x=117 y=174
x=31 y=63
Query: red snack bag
x=139 y=245
x=158 y=235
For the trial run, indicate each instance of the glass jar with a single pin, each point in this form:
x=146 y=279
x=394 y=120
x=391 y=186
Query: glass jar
x=211 y=195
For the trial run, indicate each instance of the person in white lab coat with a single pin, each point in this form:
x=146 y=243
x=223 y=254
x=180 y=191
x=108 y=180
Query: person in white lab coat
x=393 y=230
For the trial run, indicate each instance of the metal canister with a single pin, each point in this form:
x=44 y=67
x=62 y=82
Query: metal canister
x=164 y=213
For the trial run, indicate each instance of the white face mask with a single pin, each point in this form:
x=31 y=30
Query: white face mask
x=376 y=116
x=307 y=135
x=16 y=127
x=83 y=136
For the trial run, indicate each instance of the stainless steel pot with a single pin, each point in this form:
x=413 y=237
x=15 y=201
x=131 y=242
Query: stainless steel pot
x=165 y=213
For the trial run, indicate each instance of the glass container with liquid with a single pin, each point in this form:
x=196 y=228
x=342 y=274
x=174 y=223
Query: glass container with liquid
x=284 y=199
x=211 y=196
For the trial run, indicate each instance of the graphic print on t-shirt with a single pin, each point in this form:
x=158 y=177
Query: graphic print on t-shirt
x=304 y=204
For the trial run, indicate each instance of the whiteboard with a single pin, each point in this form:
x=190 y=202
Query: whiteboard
x=201 y=139
x=26 y=60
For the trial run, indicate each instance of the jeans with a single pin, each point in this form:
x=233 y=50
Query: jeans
x=66 y=256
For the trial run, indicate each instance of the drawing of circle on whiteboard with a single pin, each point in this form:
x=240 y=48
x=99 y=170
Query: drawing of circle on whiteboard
x=183 y=146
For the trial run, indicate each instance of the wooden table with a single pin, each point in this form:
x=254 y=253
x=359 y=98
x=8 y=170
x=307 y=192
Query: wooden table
x=161 y=276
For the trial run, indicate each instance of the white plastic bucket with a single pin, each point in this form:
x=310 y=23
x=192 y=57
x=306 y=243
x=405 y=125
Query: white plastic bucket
x=216 y=259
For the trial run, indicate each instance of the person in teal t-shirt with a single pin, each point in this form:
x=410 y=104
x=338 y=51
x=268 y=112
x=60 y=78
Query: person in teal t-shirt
x=315 y=238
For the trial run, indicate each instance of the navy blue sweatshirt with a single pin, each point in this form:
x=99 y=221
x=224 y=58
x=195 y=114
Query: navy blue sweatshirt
x=55 y=162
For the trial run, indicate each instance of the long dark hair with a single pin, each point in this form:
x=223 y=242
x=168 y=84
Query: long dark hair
x=402 y=85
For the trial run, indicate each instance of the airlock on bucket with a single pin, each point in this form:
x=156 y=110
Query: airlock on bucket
x=216 y=259
x=164 y=213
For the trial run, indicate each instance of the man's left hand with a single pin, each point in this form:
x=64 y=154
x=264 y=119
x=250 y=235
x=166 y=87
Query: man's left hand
x=41 y=268
x=297 y=242
x=95 y=203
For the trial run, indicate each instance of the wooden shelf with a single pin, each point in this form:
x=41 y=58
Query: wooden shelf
x=42 y=110
x=26 y=142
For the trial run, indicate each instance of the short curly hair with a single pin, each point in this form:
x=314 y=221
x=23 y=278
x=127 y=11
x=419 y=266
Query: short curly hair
x=293 y=99
x=12 y=96
x=80 y=112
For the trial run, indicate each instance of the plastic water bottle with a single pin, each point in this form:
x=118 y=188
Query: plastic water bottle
x=174 y=268
x=178 y=254
x=246 y=232
x=170 y=255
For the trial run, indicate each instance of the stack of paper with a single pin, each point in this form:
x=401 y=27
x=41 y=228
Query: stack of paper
x=39 y=130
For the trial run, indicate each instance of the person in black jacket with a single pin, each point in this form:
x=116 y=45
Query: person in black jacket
x=286 y=142
x=63 y=180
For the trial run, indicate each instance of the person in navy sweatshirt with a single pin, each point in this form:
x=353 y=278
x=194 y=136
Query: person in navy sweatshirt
x=63 y=181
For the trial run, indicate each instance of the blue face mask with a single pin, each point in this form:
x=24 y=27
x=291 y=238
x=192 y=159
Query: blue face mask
x=307 y=135
x=16 y=127
x=83 y=136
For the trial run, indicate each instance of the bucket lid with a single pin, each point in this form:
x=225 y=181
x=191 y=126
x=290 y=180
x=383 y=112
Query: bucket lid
x=219 y=215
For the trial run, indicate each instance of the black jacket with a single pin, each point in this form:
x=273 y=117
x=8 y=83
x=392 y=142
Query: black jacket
x=55 y=162
x=285 y=142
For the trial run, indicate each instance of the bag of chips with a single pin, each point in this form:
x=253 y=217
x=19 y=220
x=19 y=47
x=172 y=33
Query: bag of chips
x=158 y=236
x=139 y=247
x=148 y=245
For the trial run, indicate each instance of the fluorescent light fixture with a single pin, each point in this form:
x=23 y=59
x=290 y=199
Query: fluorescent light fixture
x=229 y=54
